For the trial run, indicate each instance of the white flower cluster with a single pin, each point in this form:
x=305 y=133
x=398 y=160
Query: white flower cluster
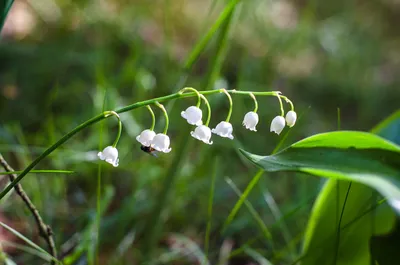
x=278 y=123
x=193 y=116
x=160 y=142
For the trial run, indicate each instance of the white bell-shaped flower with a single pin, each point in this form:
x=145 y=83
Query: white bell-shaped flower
x=192 y=115
x=161 y=143
x=110 y=155
x=277 y=124
x=224 y=129
x=250 y=120
x=202 y=133
x=291 y=118
x=146 y=137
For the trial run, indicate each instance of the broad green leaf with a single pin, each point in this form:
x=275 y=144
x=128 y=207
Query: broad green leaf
x=330 y=203
x=355 y=156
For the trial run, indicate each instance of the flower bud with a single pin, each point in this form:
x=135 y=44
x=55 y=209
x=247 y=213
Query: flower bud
x=291 y=117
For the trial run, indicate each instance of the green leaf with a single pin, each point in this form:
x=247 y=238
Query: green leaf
x=330 y=203
x=5 y=6
x=356 y=156
x=40 y=171
x=28 y=241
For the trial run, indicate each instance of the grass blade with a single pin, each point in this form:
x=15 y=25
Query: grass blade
x=28 y=250
x=200 y=46
x=26 y=240
x=252 y=211
x=210 y=206
x=241 y=200
x=40 y=171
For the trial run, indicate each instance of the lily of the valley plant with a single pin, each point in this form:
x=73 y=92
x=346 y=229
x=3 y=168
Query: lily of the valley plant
x=193 y=115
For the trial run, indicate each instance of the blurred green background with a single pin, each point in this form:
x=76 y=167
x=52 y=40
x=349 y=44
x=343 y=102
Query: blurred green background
x=62 y=62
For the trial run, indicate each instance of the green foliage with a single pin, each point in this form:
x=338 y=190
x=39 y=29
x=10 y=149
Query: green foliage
x=40 y=252
x=344 y=202
x=348 y=155
x=332 y=236
x=78 y=58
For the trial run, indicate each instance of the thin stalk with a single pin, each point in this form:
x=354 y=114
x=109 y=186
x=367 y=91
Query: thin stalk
x=210 y=206
x=228 y=117
x=153 y=118
x=101 y=117
x=109 y=113
x=288 y=101
x=208 y=109
x=195 y=91
x=255 y=102
x=161 y=106
x=339 y=225
x=280 y=103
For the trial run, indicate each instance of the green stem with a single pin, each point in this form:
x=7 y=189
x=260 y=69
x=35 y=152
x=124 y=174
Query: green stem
x=210 y=206
x=288 y=101
x=153 y=117
x=255 y=102
x=228 y=117
x=280 y=103
x=101 y=117
x=208 y=109
x=113 y=113
x=195 y=91
x=40 y=171
x=161 y=106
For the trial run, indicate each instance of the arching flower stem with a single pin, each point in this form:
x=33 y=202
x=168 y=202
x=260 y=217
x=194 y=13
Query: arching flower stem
x=153 y=118
x=277 y=94
x=255 y=102
x=288 y=101
x=228 y=117
x=113 y=113
x=161 y=106
x=195 y=91
x=208 y=109
x=101 y=117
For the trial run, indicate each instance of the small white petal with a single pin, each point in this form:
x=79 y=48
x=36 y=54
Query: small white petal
x=277 y=124
x=161 y=143
x=192 y=115
x=291 y=118
x=250 y=121
x=202 y=133
x=224 y=129
x=110 y=155
x=146 y=137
